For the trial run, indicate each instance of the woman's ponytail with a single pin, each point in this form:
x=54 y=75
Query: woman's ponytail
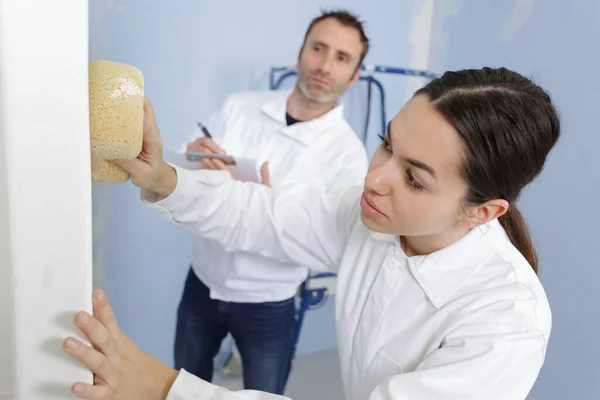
x=517 y=230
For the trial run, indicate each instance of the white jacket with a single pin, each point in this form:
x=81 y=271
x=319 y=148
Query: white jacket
x=470 y=321
x=326 y=149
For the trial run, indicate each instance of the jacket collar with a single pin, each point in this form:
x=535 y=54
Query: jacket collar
x=442 y=273
x=305 y=131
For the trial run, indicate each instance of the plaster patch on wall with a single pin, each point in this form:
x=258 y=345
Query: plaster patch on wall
x=518 y=17
x=420 y=42
x=443 y=11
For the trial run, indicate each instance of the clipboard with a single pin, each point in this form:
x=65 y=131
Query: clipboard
x=242 y=169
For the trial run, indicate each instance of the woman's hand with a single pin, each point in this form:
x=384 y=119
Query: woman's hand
x=149 y=170
x=121 y=370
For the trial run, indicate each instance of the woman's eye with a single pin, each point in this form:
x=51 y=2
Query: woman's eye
x=412 y=181
x=384 y=142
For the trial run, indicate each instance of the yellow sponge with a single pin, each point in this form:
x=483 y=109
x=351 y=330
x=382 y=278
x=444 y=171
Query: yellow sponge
x=116 y=118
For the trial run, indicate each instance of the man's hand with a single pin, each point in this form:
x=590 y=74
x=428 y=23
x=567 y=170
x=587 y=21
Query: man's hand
x=121 y=370
x=207 y=145
x=265 y=178
x=148 y=170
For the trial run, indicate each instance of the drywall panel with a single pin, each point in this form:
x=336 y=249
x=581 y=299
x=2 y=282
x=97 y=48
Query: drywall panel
x=6 y=297
x=46 y=198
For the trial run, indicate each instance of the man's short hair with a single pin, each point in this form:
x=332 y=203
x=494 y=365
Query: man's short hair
x=346 y=19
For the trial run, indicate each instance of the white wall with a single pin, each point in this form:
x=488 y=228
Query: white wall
x=45 y=246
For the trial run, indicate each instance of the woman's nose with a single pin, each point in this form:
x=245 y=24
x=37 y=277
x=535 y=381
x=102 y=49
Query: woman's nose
x=379 y=179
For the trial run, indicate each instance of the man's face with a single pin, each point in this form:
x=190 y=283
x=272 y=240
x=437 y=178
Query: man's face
x=328 y=61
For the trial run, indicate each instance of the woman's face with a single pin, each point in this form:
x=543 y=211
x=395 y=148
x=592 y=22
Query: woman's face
x=414 y=186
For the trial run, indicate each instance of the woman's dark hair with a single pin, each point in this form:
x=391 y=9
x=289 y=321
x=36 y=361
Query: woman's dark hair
x=508 y=126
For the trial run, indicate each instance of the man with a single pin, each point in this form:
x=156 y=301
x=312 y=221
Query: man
x=303 y=136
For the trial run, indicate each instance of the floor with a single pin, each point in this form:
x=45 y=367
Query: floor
x=314 y=376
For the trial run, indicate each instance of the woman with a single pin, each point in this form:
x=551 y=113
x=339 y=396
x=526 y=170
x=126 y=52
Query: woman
x=437 y=293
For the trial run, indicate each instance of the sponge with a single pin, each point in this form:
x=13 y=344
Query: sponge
x=116 y=118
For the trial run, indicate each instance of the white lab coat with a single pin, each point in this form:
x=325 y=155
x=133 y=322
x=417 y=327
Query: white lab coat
x=325 y=149
x=470 y=321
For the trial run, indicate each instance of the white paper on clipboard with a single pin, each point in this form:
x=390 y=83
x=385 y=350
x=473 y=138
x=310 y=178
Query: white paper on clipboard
x=245 y=170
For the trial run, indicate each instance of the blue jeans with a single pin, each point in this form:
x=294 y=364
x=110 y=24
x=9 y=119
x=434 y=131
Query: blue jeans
x=263 y=333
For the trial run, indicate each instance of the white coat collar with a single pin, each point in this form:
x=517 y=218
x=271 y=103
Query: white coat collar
x=442 y=273
x=306 y=131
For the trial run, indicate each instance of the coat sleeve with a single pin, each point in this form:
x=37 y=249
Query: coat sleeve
x=305 y=224
x=190 y=387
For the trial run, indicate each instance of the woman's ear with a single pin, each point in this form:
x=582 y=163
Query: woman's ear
x=484 y=213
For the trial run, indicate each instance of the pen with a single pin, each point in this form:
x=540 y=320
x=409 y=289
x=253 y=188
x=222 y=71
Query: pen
x=204 y=130
x=199 y=156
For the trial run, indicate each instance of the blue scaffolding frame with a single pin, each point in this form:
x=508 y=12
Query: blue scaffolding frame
x=279 y=74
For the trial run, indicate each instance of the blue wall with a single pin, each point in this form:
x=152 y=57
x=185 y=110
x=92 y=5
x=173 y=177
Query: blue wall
x=194 y=54
x=555 y=42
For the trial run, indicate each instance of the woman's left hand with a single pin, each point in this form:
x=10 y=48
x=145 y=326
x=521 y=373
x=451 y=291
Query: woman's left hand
x=121 y=370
